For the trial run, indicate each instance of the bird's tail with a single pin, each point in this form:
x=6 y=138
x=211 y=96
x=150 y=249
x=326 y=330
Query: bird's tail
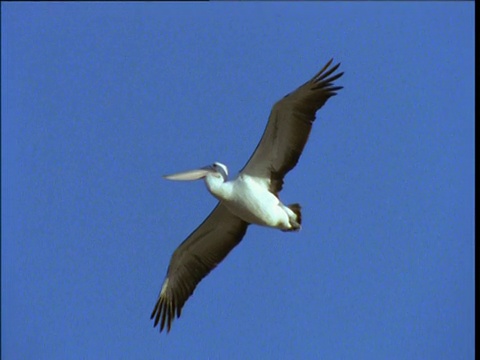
x=297 y=210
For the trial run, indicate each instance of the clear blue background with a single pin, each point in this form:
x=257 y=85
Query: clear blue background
x=101 y=99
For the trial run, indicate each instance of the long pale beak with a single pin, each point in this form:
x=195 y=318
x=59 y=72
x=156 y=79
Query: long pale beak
x=190 y=174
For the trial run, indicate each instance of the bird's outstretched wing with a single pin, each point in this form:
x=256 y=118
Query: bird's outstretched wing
x=203 y=249
x=288 y=128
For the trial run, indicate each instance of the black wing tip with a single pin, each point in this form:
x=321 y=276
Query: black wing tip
x=323 y=75
x=330 y=61
x=163 y=314
x=325 y=78
x=332 y=91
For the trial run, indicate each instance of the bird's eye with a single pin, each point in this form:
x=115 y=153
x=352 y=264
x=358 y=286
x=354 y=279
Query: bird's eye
x=214 y=165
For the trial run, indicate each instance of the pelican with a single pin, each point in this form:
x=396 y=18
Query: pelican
x=250 y=198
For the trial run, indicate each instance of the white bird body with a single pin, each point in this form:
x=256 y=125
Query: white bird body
x=250 y=198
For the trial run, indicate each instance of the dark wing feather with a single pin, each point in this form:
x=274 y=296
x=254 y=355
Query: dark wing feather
x=199 y=254
x=288 y=128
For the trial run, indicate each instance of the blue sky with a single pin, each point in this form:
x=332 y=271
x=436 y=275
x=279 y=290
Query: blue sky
x=99 y=100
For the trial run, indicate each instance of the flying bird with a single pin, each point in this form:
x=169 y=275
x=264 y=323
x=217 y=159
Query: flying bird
x=250 y=198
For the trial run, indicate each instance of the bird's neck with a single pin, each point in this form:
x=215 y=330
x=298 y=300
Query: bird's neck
x=218 y=187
